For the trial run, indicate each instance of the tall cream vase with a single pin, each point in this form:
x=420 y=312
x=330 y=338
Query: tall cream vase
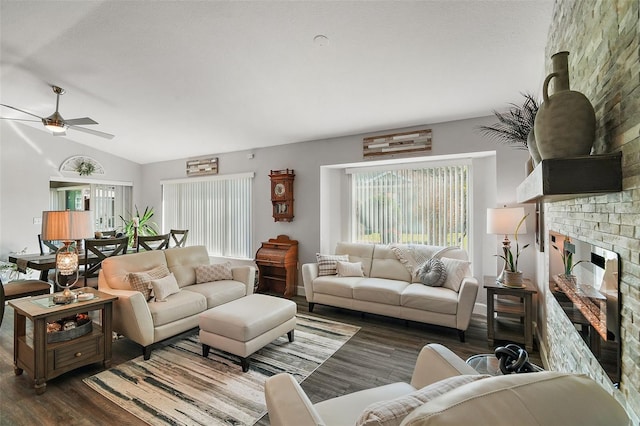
x=565 y=125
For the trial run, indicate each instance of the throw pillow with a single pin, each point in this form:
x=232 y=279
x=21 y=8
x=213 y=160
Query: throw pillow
x=165 y=287
x=392 y=412
x=214 y=272
x=327 y=263
x=456 y=271
x=141 y=281
x=433 y=273
x=347 y=269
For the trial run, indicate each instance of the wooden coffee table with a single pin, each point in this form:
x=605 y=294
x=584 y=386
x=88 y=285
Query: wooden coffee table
x=43 y=360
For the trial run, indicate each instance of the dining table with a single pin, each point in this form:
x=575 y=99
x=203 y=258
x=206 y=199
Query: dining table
x=44 y=262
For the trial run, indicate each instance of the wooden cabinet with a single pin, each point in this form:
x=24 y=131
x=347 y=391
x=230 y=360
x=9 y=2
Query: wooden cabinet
x=42 y=360
x=277 y=262
x=510 y=312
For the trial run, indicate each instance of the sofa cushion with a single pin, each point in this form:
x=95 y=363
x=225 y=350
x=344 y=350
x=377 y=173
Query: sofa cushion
x=432 y=272
x=219 y=292
x=349 y=269
x=391 y=412
x=141 y=281
x=358 y=252
x=433 y=299
x=543 y=398
x=176 y=307
x=214 y=272
x=379 y=290
x=336 y=286
x=386 y=265
x=182 y=261
x=116 y=269
x=456 y=271
x=164 y=287
x=327 y=263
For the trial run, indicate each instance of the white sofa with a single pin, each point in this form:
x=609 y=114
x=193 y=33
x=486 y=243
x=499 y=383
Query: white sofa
x=388 y=288
x=436 y=396
x=147 y=323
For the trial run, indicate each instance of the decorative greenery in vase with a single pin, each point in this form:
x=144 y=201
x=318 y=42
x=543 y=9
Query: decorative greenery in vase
x=145 y=225
x=514 y=126
x=85 y=168
x=567 y=259
x=511 y=261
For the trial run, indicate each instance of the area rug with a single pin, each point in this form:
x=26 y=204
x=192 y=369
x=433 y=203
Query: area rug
x=178 y=386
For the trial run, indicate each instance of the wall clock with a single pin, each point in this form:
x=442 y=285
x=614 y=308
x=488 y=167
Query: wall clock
x=282 y=194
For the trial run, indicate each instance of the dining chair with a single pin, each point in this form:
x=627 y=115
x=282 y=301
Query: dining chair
x=46 y=246
x=95 y=251
x=153 y=242
x=179 y=237
x=21 y=288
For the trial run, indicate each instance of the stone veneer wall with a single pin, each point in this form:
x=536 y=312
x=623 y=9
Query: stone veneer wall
x=603 y=38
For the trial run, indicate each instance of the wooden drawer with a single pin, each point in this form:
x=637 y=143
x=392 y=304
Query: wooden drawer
x=77 y=353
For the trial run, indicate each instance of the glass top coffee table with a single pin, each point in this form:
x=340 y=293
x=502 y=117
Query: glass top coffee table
x=485 y=364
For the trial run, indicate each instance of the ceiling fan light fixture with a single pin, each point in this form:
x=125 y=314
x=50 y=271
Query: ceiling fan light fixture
x=54 y=123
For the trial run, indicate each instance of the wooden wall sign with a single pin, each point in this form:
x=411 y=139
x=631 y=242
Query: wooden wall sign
x=202 y=167
x=413 y=143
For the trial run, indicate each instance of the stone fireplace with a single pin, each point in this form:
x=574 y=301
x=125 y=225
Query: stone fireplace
x=603 y=38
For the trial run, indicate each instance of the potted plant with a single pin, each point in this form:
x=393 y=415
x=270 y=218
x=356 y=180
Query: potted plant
x=567 y=259
x=139 y=225
x=513 y=276
x=515 y=127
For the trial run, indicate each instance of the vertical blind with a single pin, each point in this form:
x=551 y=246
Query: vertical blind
x=217 y=213
x=108 y=203
x=429 y=205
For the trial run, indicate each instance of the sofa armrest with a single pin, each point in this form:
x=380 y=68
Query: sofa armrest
x=309 y=273
x=436 y=362
x=466 y=301
x=288 y=404
x=131 y=316
x=246 y=275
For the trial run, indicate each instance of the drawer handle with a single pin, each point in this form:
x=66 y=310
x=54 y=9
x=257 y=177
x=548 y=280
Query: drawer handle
x=78 y=354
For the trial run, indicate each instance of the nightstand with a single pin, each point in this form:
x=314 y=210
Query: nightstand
x=510 y=312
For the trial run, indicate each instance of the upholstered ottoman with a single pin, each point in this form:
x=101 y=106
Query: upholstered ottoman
x=245 y=325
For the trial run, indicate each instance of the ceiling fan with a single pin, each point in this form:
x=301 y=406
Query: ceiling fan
x=56 y=123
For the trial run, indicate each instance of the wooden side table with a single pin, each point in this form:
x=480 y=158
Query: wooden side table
x=43 y=360
x=511 y=319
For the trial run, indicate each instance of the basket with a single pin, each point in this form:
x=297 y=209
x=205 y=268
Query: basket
x=64 y=335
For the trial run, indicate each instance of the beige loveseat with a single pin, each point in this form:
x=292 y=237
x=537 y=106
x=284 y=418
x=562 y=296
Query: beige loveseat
x=446 y=391
x=149 y=322
x=388 y=288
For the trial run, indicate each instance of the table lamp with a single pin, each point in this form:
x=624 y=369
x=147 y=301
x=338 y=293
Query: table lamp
x=503 y=221
x=66 y=226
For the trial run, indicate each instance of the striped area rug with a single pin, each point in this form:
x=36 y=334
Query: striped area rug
x=178 y=386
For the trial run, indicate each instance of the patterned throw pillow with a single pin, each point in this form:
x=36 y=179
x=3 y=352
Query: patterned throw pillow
x=327 y=263
x=214 y=272
x=393 y=411
x=141 y=281
x=165 y=287
x=433 y=273
x=347 y=269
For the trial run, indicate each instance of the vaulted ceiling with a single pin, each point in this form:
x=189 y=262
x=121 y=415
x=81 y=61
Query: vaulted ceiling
x=176 y=79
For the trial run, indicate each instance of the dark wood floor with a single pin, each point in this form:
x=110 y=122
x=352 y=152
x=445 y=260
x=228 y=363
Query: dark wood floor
x=383 y=351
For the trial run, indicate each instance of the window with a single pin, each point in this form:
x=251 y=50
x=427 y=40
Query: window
x=216 y=211
x=426 y=205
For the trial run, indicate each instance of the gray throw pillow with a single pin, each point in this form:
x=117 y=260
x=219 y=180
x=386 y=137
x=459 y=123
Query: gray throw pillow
x=433 y=273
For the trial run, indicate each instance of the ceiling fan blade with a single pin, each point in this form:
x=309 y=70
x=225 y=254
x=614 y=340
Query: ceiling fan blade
x=20 y=119
x=93 y=132
x=80 y=121
x=21 y=110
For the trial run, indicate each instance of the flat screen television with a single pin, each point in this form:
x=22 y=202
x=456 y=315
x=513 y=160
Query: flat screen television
x=589 y=295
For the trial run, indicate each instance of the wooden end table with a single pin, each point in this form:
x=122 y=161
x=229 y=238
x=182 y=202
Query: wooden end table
x=43 y=360
x=515 y=321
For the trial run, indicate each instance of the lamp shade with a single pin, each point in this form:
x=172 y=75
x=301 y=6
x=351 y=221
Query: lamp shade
x=66 y=225
x=504 y=221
